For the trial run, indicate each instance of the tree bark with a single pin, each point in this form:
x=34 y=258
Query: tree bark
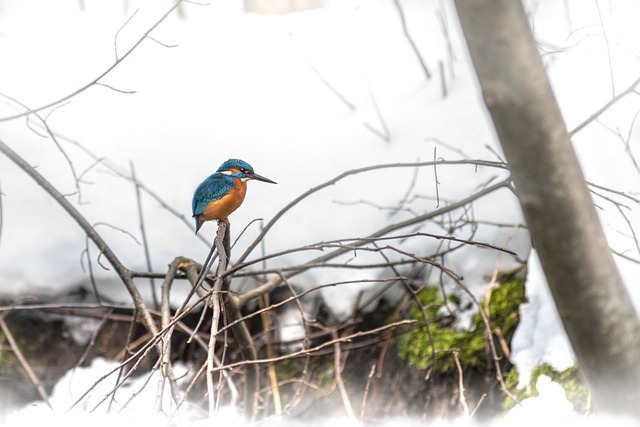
x=591 y=298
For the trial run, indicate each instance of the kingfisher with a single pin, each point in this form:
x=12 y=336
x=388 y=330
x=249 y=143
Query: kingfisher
x=223 y=192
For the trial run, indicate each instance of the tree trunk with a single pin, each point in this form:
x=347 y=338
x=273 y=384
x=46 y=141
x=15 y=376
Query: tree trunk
x=591 y=298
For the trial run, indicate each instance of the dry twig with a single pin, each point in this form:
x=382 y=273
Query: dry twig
x=23 y=361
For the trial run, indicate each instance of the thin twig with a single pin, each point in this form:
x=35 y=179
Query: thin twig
x=117 y=170
x=366 y=391
x=462 y=399
x=143 y=231
x=274 y=282
x=350 y=105
x=348 y=173
x=496 y=271
x=23 y=361
x=435 y=176
x=320 y=346
x=115 y=89
x=605 y=107
x=297 y=396
x=1 y=221
x=337 y=356
x=117 y=62
x=165 y=307
x=49 y=132
x=215 y=305
x=115 y=38
x=121 y=270
x=423 y=312
x=265 y=317
x=413 y=45
x=608 y=49
x=492 y=347
x=385 y=134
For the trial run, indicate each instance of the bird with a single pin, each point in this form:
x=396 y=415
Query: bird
x=223 y=191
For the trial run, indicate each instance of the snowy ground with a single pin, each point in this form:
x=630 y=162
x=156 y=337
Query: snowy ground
x=551 y=406
x=244 y=85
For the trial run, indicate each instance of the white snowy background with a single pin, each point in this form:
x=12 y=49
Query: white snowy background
x=215 y=82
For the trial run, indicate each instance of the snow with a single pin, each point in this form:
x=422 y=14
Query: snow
x=550 y=406
x=80 y=398
x=538 y=339
x=243 y=85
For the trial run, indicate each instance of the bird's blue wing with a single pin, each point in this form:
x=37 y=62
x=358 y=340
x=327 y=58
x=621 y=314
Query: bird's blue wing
x=212 y=188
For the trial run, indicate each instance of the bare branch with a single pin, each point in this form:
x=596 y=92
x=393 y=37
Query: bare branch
x=1 y=213
x=52 y=135
x=413 y=45
x=126 y=92
x=23 y=361
x=118 y=171
x=117 y=62
x=337 y=362
x=215 y=304
x=346 y=174
x=169 y=46
x=273 y=283
x=587 y=288
x=350 y=105
x=605 y=107
x=385 y=134
x=115 y=38
x=608 y=49
x=462 y=399
x=320 y=346
x=363 y=405
x=123 y=272
x=143 y=232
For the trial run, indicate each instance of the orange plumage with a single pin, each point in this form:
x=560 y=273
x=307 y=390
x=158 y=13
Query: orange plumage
x=222 y=208
x=223 y=192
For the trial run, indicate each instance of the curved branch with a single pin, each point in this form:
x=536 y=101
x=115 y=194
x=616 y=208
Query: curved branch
x=343 y=175
x=121 y=270
x=273 y=283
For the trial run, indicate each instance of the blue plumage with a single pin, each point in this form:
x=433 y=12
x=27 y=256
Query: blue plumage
x=218 y=185
x=215 y=187
x=222 y=192
x=241 y=165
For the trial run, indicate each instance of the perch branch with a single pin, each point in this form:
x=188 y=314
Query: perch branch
x=214 y=303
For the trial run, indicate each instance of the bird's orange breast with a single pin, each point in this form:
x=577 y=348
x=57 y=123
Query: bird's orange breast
x=222 y=208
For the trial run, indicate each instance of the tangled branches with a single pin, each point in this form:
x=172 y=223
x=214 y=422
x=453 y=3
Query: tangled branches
x=236 y=336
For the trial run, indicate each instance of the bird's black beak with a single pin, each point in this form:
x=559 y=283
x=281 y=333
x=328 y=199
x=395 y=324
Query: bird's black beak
x=259 y=178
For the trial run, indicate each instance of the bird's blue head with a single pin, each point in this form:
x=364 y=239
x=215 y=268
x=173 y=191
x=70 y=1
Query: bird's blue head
x=240 y=169
x=237 y=164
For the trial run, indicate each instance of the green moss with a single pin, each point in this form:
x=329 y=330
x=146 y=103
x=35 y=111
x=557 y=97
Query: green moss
x=503 y=307
x=417 y=345
x=289 y=368
x=569 y=379
x=326 y=378
x=7 y=357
